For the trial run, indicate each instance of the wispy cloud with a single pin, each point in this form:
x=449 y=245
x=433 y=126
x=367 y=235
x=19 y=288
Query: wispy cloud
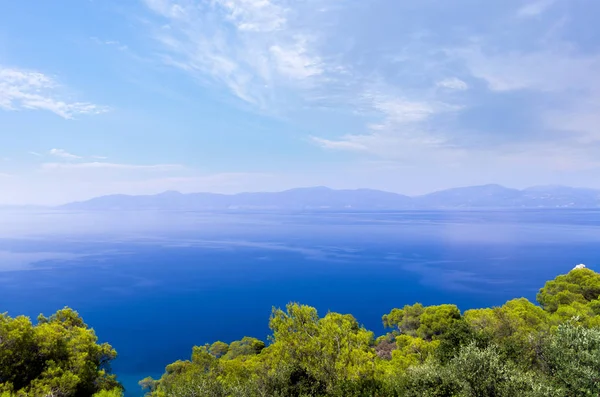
x=25 y=89
x=35 y=154
x=345 y=143
x=561 y=74
x=416 y=95
x=113 y=166
x=535 y=8
x=539 y=67
x=453 y=83
x=402 y=110
x=255 y=15
x=113 y=43
x=250 y=46
x=255 y=49
x=64 y=154
x=296 y=62
x=401 y=127
x=552 y=69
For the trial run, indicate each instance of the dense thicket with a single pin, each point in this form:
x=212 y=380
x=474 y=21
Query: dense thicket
x=59 y=356
x=518 y=349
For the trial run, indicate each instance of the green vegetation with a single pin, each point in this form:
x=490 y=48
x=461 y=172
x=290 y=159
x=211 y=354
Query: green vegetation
x=59 y=356
x=518 y=349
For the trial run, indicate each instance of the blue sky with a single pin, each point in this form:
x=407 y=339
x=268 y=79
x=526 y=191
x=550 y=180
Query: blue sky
x=142 y=96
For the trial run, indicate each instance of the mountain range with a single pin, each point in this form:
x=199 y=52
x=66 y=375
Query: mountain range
x=323 y=198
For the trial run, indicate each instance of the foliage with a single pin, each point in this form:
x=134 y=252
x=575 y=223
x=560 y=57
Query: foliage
x=116 y=392
x=58 y=356
x=246 y=346
x=517 y=349
x=424 y=322
x=572 y=359
x=517 y=327
x=579 y=285
x=474 y=372
x=334 y=348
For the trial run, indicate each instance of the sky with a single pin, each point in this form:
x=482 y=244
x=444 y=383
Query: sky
x=141 y=96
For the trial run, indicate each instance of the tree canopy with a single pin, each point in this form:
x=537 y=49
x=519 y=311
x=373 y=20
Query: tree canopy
x=517 y=349
x=58 y=356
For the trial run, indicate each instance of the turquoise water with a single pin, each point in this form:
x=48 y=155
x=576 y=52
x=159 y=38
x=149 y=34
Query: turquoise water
x=155 y=284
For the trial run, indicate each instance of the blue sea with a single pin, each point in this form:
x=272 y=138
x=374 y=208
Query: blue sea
x=153 y=284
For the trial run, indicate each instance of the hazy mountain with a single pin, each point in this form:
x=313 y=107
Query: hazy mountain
x=486 y=196
x=562 y=196
x=490 y=196
x=294 y=199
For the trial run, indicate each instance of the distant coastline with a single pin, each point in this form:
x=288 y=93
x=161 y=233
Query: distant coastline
x=323 y=198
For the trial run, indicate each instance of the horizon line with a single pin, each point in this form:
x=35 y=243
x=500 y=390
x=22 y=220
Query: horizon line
x=292 y=189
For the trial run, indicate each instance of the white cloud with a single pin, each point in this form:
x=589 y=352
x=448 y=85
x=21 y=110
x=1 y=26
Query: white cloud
x=112 y=43
x=100 y=157
x=35 y=154
x=110 y=166
x=24 y=89
x=266 y=52
x=246 y=45
x=64 y=154
x=394 y=143
x=553 y=69
x=453 y=83
x=255 y=15
x=341 y=144
x=535 y=8
x=401 y=110
x=270 y=52
x=295 y=62
x=559 y=72
x=403 y=131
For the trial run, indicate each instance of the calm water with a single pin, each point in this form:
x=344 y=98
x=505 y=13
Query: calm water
x=155 y=284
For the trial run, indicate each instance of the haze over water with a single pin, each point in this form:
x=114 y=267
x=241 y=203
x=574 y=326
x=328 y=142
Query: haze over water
x=178 y=279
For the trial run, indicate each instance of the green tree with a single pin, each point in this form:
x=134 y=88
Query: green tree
x=331 y=349
x=218 y=349
x=517 y=349
x=474 y=372
x=246 y=346
x=117 y=392
x=517 y=327
x=424 y=322
x=459 y=334
x=579 y=285
x=484 y=372
x=405 y=320
x=572 y=359
x=59 y=355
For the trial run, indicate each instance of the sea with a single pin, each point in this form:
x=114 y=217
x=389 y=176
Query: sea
x=153 y=284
